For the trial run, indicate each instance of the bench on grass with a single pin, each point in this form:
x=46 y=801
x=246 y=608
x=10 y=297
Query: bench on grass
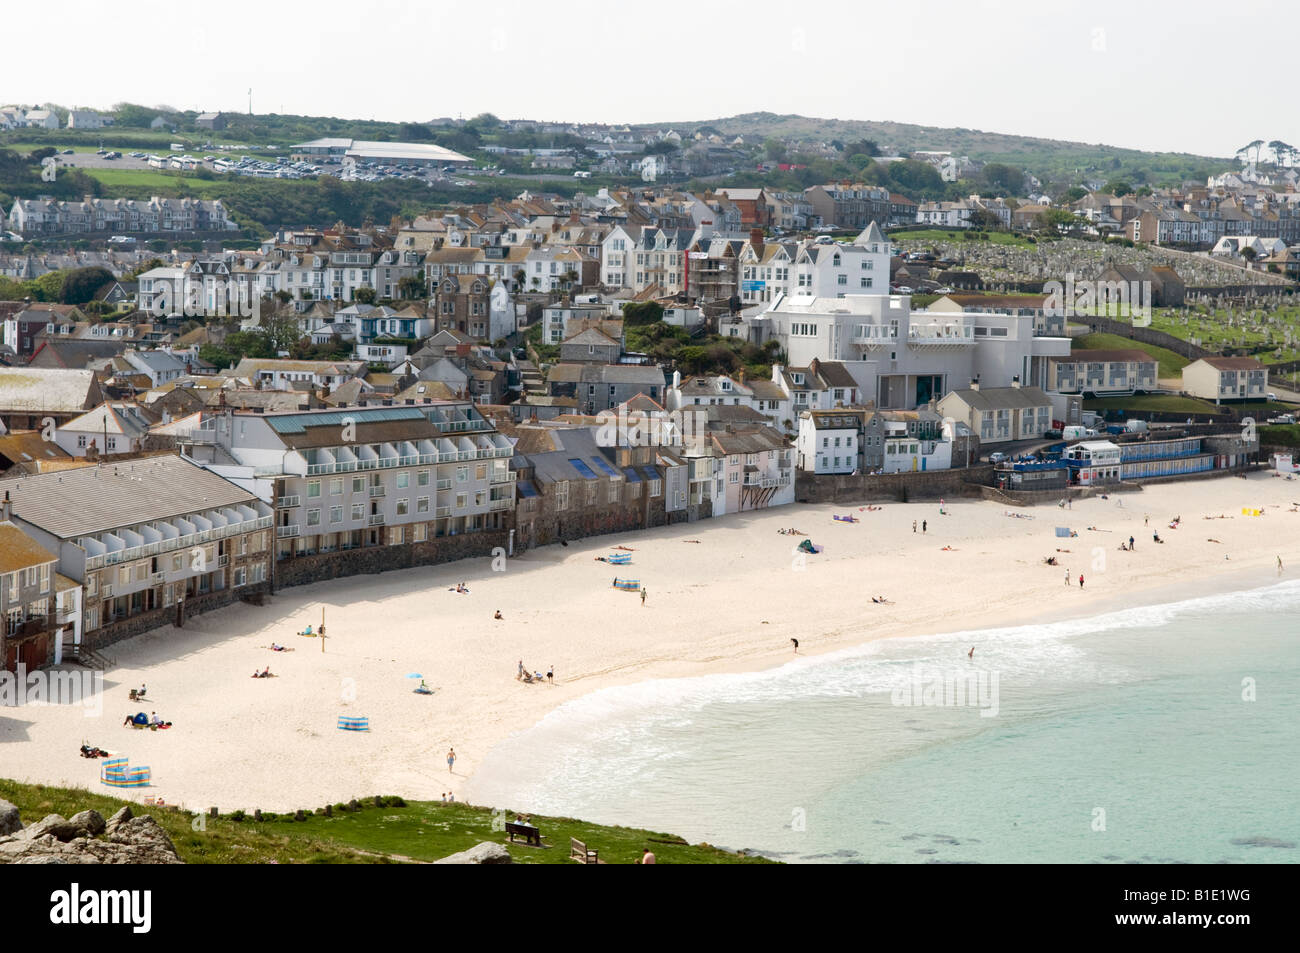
x=582 y=853
x=531 y=835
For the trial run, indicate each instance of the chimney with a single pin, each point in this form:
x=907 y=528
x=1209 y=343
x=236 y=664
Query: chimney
x=6 y=509
x=974 y=383
x=756 y=240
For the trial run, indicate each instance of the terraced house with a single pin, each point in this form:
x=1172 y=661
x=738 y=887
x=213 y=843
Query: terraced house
x=150 y=540
x=363 y=478
x=1102 y=371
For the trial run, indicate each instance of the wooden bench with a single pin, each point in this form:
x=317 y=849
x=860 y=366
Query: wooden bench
x=582 y=853
x=531 y=835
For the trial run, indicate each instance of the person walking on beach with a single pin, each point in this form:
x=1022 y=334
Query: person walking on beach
x=643 y=596
x=1067 y=577
x=913 y=526
x=1146 y=519
x=1130 y=544
x=1080 y=580
x=971 y=654
x=451 y=759
x=924 y=524
x=796 y=646
x=1279 y=565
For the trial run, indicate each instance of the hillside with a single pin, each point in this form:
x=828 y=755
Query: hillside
x=395 y=831
x=1049 y=158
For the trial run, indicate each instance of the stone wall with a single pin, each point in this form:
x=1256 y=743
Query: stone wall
x=549 y=526
x=301 y=570
x=157 y=618
x=903 y=487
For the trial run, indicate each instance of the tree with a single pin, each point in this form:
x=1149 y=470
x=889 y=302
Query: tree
x=1004 y=179
x=982 y=218
x=1056 y=219
x=411 y=287
x=1074 y=193
x=282 y=332
x=775 y=150
x=364 y=295
x=1249 y=254
x=644 y=313
x=866 y=147
x=1118 y=187
x=80 y=284
x=915 y=179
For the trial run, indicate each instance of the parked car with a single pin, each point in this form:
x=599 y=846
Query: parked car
x=997 y=457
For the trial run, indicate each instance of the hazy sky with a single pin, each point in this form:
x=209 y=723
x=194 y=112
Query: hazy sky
x=1196 y=76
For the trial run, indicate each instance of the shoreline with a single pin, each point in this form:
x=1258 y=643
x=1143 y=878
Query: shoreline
x=729 y=603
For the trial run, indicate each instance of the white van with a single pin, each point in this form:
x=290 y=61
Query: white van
x=1136 y=426
x=1074 y=433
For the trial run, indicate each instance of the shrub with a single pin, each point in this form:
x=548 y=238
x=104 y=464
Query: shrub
x=237 y=816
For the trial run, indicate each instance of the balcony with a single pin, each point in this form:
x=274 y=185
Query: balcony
x=941 y=336
x=284 y=502
x=376 y=519
x=286 y=532
x=505 y=504
x=442 y=511
x=376 y=491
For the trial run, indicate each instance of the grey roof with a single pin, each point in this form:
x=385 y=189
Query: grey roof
x=159 y=361
x=94 y=499
x=1002 y=398
x=607 y=374
x=42 y=389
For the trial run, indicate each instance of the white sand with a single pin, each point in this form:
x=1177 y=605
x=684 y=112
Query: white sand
x=273 y=744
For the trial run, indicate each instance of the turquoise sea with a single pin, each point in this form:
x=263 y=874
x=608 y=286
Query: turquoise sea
x=1165 y=733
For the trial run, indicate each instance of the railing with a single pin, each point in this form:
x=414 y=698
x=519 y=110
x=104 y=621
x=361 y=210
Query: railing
x=444 y=484
x=510 y=476
x=376 y=519
x=376 y=491
x=287 y=501
x=442 y=511
x=504 y=504
x=177 y=542
x=285 y=532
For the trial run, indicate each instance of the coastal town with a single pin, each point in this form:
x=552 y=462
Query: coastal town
x=404 y=490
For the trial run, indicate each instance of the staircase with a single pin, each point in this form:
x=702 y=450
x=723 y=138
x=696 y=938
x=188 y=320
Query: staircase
x=92 y=659
x=531 y=378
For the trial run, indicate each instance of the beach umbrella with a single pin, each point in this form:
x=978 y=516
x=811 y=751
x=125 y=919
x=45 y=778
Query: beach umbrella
x=414 y=675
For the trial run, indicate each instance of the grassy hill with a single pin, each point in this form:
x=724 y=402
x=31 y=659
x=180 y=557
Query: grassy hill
x=1170 y=363
x=396 y=832
x=1046 y=158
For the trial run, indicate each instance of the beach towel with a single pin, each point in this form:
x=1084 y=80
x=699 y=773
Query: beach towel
x=845 y=519
x=619 y=559
x=354 y=723
x=1063 y=531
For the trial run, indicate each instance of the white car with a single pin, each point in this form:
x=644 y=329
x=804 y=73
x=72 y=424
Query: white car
x=997 y=457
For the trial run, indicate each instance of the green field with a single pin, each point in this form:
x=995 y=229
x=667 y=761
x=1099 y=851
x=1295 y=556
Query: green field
x=939 y=235
x=1170 y=363
x=1285 y=436
x=417 y=831
x=1162 y=403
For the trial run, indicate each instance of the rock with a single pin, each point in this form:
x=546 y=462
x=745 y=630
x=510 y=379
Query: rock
x=92 y=822
x=484 y=853
x=10 y=822
x=130 y=840
x=55 y=825
x=118 y=819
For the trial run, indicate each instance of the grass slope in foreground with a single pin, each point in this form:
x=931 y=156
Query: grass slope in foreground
x=415 y=831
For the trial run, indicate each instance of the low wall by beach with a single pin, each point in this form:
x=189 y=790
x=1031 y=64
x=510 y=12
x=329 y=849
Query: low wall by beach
x=931 y=484
x=301 y=570
x=157 y=618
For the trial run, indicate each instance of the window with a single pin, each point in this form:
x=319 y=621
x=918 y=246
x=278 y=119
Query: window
x=481 y=472
x=358 y=511
x=403 y=480
x=313 y=489
x=422 y=504
x=462 y=500
x=734 y=478
x=240 y=577
x=462 y=474
x=562 y=495
x=336 y=514
x=336 y=486
x=358 y=484
x=403 y=507
x=313 y=517
x=422 y=478
x=419 y=533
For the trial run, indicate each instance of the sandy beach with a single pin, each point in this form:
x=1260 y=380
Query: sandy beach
x=723 y=595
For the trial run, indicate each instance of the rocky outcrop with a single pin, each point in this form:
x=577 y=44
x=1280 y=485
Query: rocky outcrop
x=484 y=853
x=76 y=840
x=10 y=823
